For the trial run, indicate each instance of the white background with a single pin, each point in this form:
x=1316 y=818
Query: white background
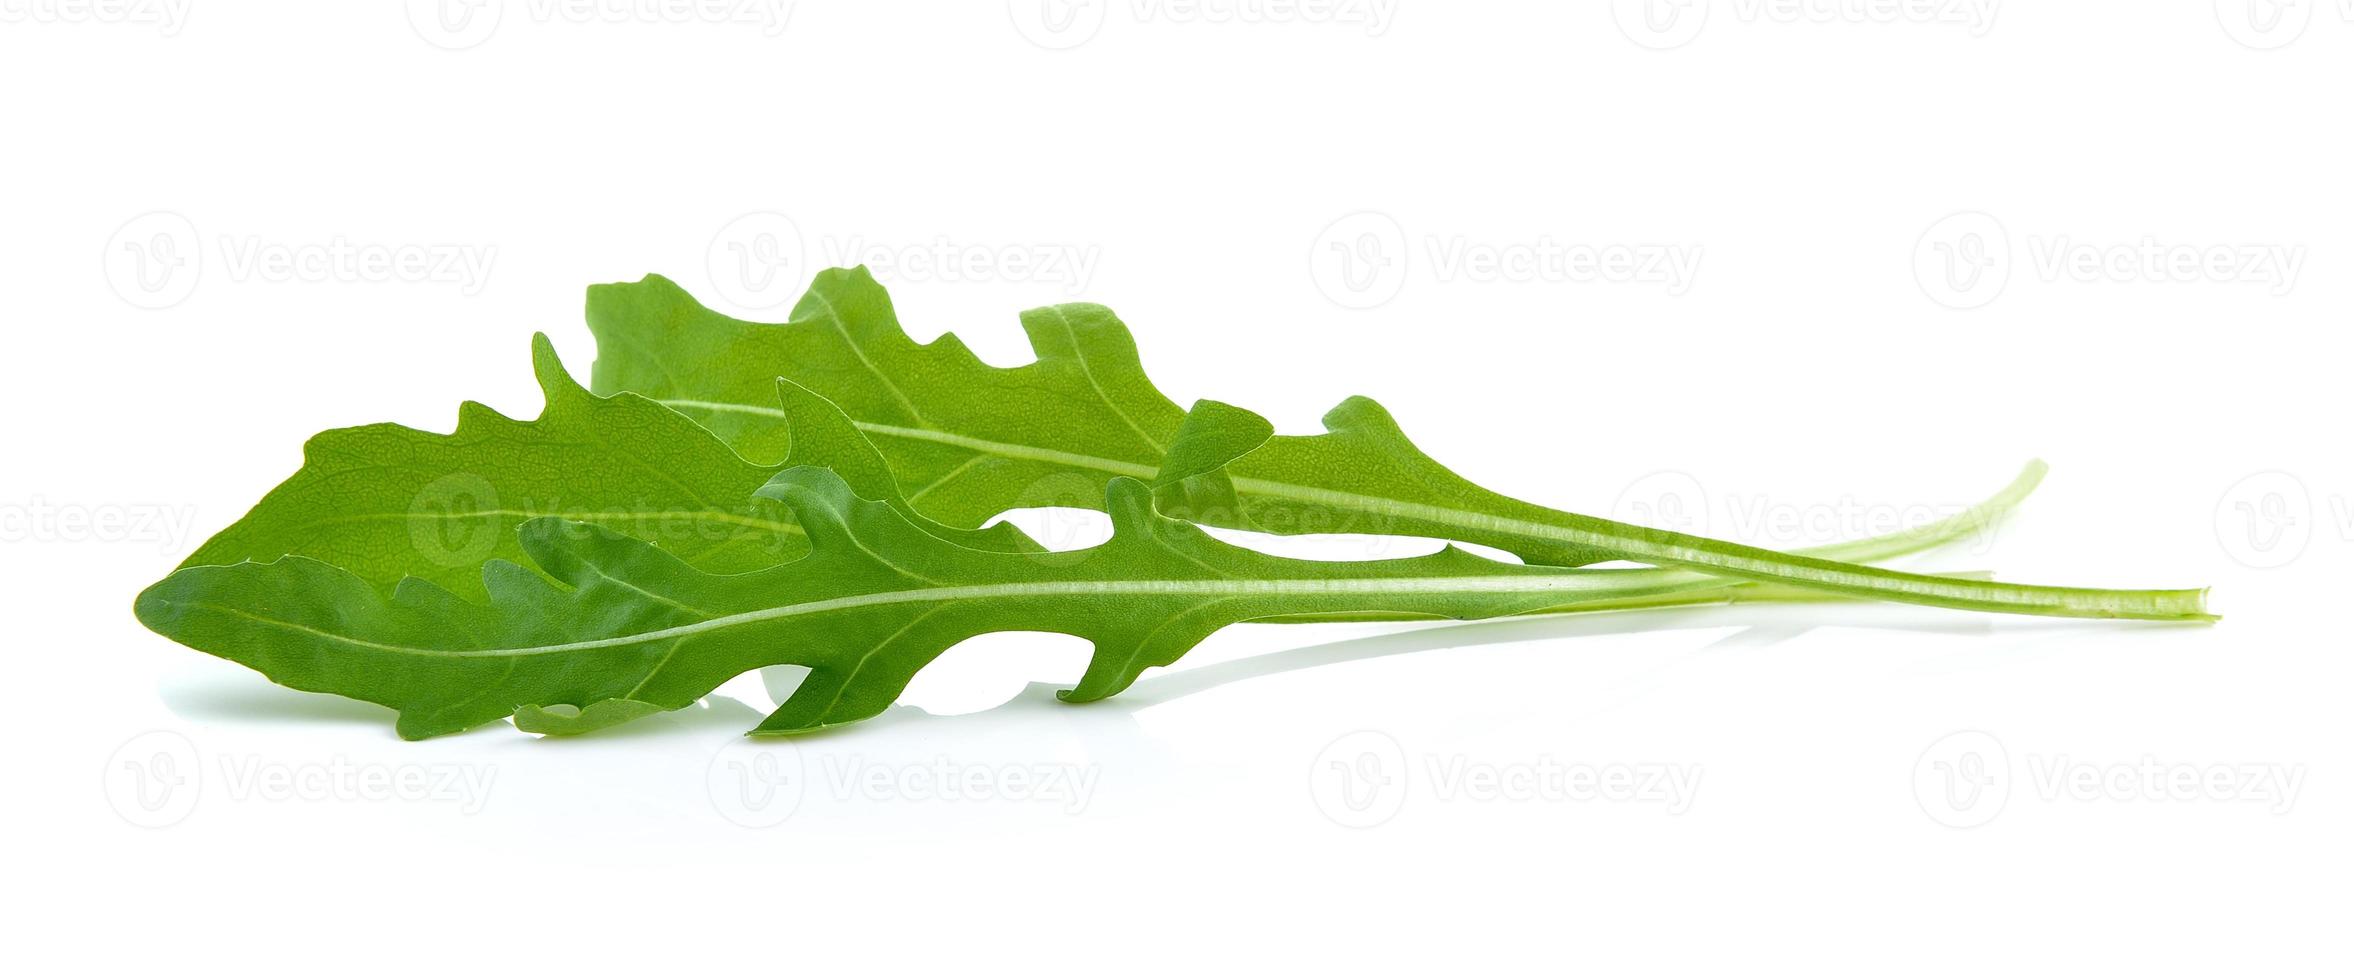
x=1843 y=354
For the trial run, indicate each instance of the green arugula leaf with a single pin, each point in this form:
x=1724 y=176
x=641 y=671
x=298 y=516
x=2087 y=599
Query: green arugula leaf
x=385 y=502
x=974 y=440
x=621 y=628
x=1593 y=591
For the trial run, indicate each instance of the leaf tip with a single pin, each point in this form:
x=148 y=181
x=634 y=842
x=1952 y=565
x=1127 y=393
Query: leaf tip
x=154 y=607
x=1359 y=412
x=417 y=726
x=818 y=497
x=629 y=307
x=651 y=283
x=554 y=381
x=1213 y=435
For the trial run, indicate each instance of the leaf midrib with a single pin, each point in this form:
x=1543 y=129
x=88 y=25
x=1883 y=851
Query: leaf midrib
x=1423 y=585
x=591 y=516
x=1009 y=450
